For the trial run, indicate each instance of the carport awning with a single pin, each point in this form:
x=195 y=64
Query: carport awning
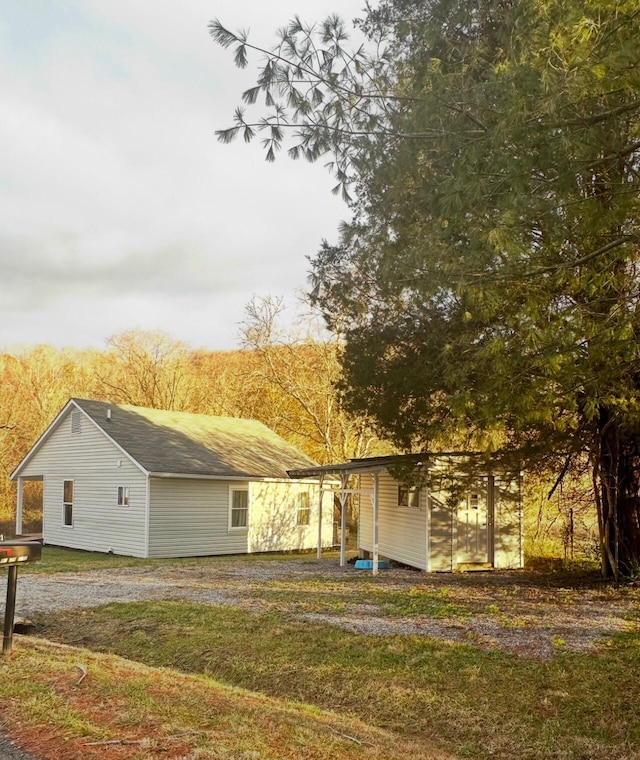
x=357 y=466
x=375 y=466
x=379 y=464
x=343 y=470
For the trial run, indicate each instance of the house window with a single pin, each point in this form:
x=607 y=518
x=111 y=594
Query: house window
x=239 y=508
x=303 y=513
x=474 y=500
x=67 y=504
x=408 y=496
x=123 y=496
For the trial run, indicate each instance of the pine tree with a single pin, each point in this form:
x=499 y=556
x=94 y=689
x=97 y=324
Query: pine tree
x=488 y=279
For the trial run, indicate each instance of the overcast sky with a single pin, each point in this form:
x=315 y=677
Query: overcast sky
x=118 y=206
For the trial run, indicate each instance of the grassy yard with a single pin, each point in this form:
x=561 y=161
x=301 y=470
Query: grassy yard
x=56 y=559
x=473 y=701
x=63 y=703
x=478 y=704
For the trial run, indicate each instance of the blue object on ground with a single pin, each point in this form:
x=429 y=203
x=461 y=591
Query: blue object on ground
x=367 y=564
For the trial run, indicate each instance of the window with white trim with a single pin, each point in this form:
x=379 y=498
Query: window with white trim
x=303 y=512
x=67 y=504
x=238 y=508
x=408 y=496
x=123 y=496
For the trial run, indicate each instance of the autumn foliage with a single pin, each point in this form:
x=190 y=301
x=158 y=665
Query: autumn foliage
x=284 y=382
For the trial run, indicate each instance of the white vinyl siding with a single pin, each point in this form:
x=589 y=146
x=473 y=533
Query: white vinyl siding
x=402 y=533
x=442 y=533
x=507 y=530
x=97 y=467
x=190 y=518
x=273 y=524
x=426 y=536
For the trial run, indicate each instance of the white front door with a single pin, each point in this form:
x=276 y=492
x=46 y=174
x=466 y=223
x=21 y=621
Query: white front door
x=472 y=530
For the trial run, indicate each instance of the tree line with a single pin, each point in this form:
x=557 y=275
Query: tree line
x=282 y=376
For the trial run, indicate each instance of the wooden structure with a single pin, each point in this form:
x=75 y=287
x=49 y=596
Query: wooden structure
x=435 y=512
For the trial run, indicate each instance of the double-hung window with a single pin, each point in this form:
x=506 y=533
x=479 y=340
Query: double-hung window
x=239 y=508
x=303 y=514
x=67 y=504
x=123 y=496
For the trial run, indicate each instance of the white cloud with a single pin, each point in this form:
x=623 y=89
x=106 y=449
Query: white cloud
x=118 y=202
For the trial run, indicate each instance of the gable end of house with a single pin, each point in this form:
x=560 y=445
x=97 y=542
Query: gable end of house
x=78 y=420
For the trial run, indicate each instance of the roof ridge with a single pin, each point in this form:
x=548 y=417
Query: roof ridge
x=131 y=407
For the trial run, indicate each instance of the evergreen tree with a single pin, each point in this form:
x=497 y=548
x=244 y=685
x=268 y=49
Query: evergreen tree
x=489 y=276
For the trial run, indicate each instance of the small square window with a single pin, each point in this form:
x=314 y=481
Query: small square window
x=123 y=496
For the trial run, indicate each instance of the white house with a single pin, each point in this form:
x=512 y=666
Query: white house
x=459 y=514
x=150 y=483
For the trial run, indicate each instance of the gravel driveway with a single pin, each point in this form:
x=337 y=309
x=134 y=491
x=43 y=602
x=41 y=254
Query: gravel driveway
x=506 y=610
x=47 y=593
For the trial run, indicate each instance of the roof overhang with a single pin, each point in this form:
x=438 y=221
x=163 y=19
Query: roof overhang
x=244 y=478
x=376 y=464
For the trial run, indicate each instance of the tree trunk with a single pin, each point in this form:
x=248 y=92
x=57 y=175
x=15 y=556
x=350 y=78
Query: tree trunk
x=618 y=474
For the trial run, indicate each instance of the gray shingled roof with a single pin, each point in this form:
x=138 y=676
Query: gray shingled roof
x=196 y=444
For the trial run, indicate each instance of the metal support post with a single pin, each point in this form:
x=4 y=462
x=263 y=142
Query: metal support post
x=10 y=609
x=321 y=494
x=343 y=520
x=376 y=516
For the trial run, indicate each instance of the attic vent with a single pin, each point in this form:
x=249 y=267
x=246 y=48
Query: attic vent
x=76 y=422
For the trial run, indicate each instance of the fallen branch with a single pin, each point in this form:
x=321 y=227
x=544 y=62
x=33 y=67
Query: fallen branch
x=83 y=670
x=346 y=736
x=115 y=742
x=122 y=742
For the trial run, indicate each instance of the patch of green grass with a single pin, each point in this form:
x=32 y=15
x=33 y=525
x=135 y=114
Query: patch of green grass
x=318 y=594
x=479 y=704
x=328 y=595
x=42 y=703
x=415 y=602
x=56 y=559
x=299 y=601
